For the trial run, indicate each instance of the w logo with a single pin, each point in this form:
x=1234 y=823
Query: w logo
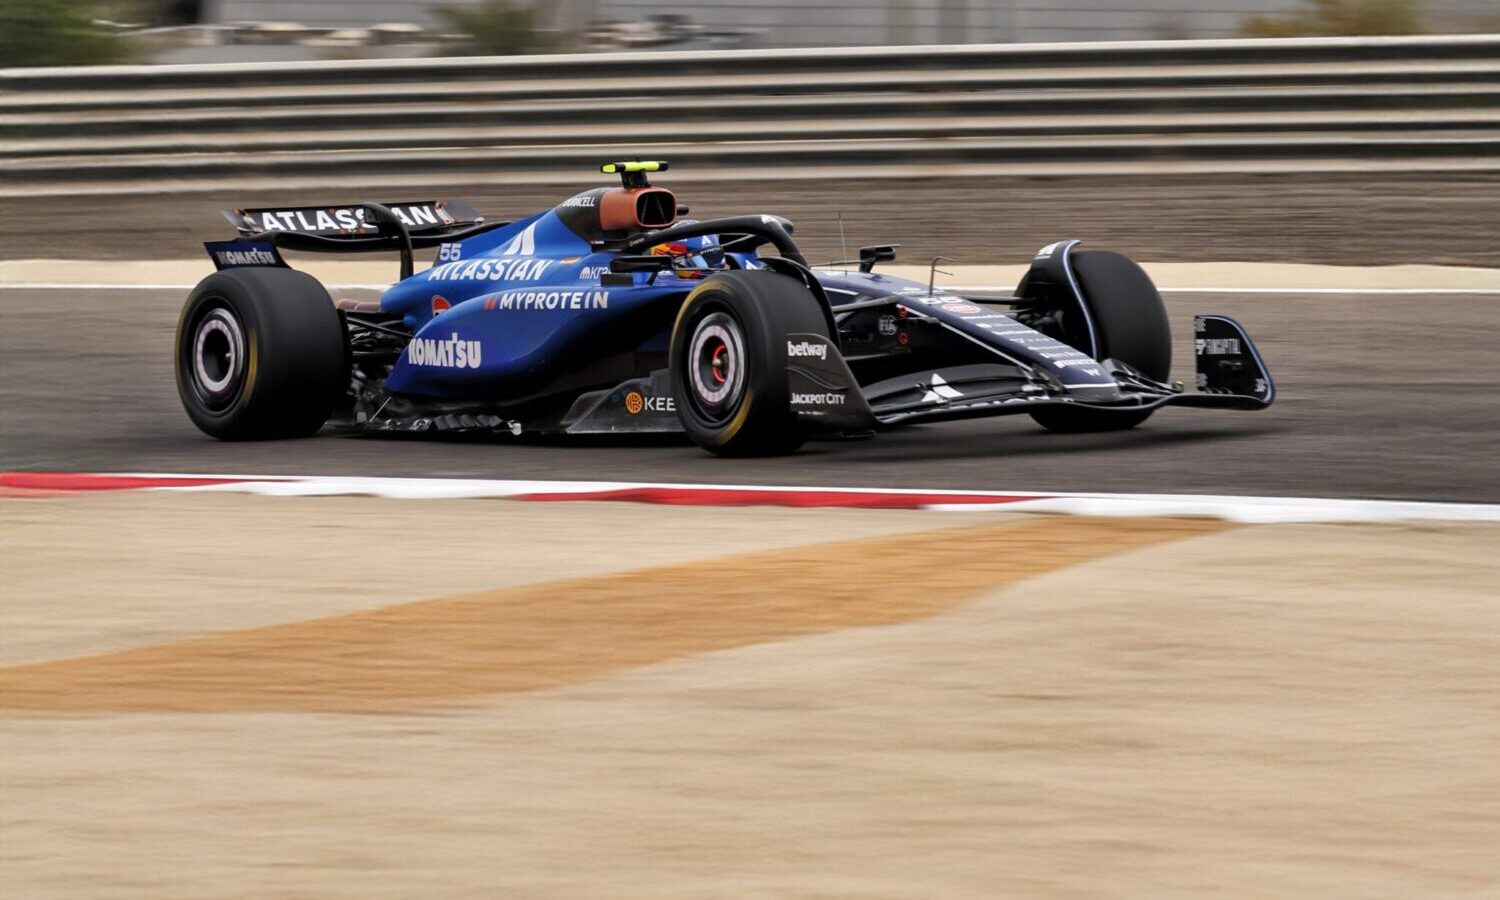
x=939 y=391
x=523 y=244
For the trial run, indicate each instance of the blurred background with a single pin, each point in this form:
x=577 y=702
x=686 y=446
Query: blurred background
x=60 y=32
x=1348 y=131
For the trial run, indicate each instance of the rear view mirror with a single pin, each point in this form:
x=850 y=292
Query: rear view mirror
x=650 y=263
x=622 y=268
x=876 y=253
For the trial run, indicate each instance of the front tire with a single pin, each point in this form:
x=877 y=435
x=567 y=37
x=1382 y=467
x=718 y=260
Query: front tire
x=260 y=355
x=1131 y=324
x=729 y=361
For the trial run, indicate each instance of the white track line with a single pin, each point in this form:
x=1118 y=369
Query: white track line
x=995 y=288
x=1251 y=510
x=1247 y=509
x=445 y=488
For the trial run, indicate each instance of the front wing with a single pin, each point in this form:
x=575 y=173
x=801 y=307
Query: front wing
x=1230 y=375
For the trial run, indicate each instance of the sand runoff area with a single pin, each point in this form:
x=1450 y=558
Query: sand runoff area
x=239 y=696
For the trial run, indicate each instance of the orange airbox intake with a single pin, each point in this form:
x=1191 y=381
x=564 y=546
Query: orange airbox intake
x=631 y=209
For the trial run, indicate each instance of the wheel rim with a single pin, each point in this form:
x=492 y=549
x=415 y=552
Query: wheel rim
x=217 y=361
x=716 y=370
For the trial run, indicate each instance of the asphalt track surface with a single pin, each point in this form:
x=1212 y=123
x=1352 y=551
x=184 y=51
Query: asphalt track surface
x=1379 y=397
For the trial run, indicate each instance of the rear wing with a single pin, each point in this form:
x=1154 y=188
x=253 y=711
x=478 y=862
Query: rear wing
x=361 y=227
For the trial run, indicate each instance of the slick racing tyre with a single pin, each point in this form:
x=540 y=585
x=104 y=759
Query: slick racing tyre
x=1131 y=323
x=729 y=361
x=260 y=355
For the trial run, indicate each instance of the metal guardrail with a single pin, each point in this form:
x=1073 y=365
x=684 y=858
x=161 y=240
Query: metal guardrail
x=1300 y=104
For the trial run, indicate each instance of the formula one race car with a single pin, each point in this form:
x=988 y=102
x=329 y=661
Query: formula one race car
x=609 y=313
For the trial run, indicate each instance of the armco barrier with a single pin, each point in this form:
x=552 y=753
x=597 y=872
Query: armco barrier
x=1301 y=105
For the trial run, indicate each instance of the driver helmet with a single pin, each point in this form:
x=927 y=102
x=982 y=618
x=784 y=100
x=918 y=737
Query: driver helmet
x=695 y=257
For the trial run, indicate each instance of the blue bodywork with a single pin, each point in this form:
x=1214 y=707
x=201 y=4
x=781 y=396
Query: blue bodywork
x=504 y=314
x=527 y=305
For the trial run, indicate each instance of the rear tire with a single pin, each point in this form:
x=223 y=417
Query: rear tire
x=261 y=354
x=729 y=362
x=1131 y=323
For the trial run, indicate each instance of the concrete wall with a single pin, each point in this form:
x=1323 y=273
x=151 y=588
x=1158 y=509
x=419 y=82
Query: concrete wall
x=782 y=23
x=854 y=22
x=328 y=13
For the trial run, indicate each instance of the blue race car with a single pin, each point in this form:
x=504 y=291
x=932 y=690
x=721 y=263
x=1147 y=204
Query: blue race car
x=609 y=313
